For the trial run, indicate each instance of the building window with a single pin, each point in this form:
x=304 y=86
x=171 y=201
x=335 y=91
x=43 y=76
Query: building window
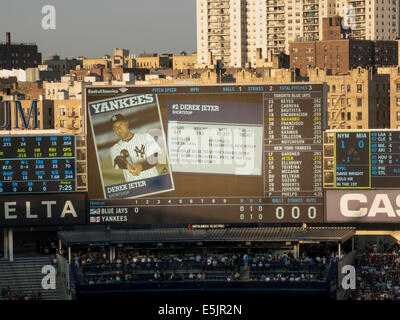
x=62 y=111
x=62 y=123
x=359 y=88
x=359 y=102
x=398 y=102
x=333 y=88
x=348 y=115
x=359 y=115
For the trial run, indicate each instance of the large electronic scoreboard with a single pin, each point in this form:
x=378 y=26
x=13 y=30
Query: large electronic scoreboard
x=362 y=159
x=236 y=154
x=43 y=163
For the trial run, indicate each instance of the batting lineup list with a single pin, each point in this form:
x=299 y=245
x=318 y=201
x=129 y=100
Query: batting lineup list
x=368 y=159
x=293 y=146
x=37 y=164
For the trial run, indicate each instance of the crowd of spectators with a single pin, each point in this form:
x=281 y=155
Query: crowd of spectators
x=8 y=294
x=292 y=277
x=261 y=263
x=378 y=275
x=119 y=277
x=159 y=262
x=97 y=268
x=206 y=261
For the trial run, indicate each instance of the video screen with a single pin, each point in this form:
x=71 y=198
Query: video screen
x=205 y=154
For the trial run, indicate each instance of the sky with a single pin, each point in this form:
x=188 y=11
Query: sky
x=93 y=28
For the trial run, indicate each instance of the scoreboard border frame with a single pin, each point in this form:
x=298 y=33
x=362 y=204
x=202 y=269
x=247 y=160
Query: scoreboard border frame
x=266 y=85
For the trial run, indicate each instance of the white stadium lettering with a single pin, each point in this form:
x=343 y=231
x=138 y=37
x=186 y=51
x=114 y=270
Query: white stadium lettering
x=387 y=208
x=48 y=206
x=381 y=204
x=34 y=211
x=8 y=210
x=28 y=211
x=68 y=209
x=344 y=205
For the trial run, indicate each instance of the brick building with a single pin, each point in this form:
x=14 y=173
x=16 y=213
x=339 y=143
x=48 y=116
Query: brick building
x=359 y=99
x=108 y=74
x=394 y=74
x=18 y=55
x=31 y=90
x=7 y=85
x=339 y=54
x=63 y=66
x=154 y=61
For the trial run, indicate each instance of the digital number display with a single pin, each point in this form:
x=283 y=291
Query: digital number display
x=37 y=164
x=366 y=159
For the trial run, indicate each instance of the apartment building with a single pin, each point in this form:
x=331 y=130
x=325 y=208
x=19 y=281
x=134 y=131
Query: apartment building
x=221 y=31
x=68 y=116
x=371 y=19
x=237 y=32
x=184 y=61
x=359 y=99
x=394 y=74
x=67 y=89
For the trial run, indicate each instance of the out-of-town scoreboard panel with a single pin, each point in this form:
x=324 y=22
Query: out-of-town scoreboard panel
x=32 y=164
x=361 y=159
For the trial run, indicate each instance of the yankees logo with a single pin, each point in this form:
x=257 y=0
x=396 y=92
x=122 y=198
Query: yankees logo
x=140 y=151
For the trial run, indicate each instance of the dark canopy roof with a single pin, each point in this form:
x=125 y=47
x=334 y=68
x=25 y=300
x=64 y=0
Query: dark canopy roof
x=331 y=234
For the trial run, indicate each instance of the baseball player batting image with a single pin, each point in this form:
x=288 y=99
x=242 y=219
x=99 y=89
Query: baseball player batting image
x=130 y=143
